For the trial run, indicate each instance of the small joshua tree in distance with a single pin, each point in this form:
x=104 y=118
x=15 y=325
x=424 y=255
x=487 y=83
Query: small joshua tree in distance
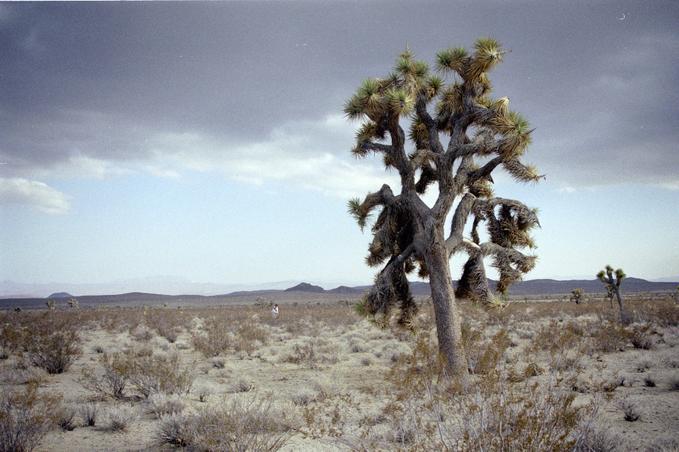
x=612 y=281
x=577 y=296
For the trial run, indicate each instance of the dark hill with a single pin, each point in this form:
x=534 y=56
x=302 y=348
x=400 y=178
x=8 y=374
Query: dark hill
x=61 y=295
x=305 y=287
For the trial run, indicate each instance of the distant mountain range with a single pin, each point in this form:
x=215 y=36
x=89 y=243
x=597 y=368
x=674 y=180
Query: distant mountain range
x=309 y=292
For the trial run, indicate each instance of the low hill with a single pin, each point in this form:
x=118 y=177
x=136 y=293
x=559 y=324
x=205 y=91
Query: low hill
x=60 y=295
x=305 y=287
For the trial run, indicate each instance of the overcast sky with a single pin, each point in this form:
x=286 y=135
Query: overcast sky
x=206 y=140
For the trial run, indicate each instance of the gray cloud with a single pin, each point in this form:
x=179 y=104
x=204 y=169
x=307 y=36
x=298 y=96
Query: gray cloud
x=248 y=89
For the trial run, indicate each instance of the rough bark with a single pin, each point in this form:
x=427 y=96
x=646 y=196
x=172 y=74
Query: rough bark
x=624 y=319
x=448 y=329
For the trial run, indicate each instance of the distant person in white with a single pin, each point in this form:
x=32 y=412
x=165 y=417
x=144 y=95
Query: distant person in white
x=274 y=312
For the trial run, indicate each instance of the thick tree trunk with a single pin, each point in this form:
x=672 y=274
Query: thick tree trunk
x=447 y=319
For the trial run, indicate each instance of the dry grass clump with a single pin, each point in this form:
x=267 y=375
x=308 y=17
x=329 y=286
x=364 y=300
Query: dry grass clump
x=66 y=417
x=25 y=418
x=120 y=418
x=89 y=413
x=235 y=426
x=161 y=405
x=630 y=410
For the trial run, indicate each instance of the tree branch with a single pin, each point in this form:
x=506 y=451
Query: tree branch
x=459 y=220
x=428 y=121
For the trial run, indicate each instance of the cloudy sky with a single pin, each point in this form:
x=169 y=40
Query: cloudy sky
x=206 y=141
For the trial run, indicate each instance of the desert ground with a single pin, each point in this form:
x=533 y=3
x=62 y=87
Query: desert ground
x=544 y=375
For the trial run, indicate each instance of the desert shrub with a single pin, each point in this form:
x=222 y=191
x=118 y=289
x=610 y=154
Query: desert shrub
x=557 y=338
x=629 y=410
x=241 y=386
x=609 y=337
x=166 y=323
x=649 y=382
x=4 y=354
x=487 y=357
x=120 y=418
x=597 y=440
x=53 y=345
x=25 y=418
x=114 y=379
x=303 y=355
x=501 y=417
x=161 y=405
x=253 y=332
x=159 y=374
x=640 y=337
x=213 y=340
x=23 y=373
x=65 y=417
x=218 y=363
x=142 y=333
x=12 y=335
x=303 y=398
x=88 y=413
x=674 y=383
x=235 y=426
x=176 y=430
x=204 y=394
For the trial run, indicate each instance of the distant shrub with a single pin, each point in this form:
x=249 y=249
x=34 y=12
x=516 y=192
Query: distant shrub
x=213 y=340
x=53 y=345
x=303 y=355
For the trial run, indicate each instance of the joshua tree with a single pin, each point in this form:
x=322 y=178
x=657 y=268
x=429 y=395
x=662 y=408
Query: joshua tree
x=73 y=303
x=50 y=304
x=613 y=287
x=577 y=296
x=407 y=233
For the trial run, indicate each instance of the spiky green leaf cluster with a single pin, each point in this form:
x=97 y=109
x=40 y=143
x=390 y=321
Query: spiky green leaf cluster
x=488 y=53
x=452 y=59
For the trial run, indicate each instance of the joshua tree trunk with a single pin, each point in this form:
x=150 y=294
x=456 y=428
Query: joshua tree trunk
x=623 y=315
x=445 y=310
